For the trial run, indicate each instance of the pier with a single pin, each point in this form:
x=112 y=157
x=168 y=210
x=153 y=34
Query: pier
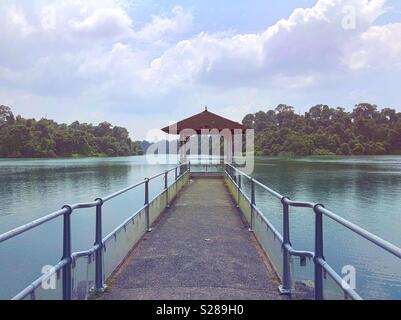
x=200 y=248
x=202 y=237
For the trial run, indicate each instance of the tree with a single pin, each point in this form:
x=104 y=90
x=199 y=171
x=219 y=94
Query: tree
x=21 y=137
x=326 y=130
x=6 y=116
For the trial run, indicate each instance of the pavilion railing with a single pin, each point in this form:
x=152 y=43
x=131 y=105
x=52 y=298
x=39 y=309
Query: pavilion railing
x=279 y=248
x=78 y=274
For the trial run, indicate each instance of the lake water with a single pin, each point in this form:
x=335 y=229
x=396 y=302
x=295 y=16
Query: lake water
x=364 y=190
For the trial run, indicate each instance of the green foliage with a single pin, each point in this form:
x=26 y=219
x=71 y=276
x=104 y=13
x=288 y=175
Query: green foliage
x=326 y=131
x=45 y=138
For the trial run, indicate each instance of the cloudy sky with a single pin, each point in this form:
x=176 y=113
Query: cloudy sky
x=143 y=64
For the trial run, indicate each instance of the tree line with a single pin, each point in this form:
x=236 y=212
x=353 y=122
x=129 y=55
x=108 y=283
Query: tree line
x=324 y=130
x=46 y=138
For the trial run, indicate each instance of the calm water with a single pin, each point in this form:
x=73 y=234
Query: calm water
x=364 y=190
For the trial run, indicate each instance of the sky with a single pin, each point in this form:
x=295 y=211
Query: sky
x=144 y=64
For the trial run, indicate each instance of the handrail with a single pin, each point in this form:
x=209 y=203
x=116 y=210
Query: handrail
x=66 y=211
x=112 y=196
x=319 y=211
x=30 y=225
x=271 y=191
x=17 y=231
x=22 y=294
x=347 y=290
x=384 y=244
x=234 y=174
x=112 y=233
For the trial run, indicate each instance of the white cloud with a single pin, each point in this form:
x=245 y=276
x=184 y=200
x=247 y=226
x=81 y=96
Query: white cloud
x=16 y=21
x=180 y=22
x=311 y=40
x=95 y=55
x=378 y=48
x=104 y=22
x=74 y=45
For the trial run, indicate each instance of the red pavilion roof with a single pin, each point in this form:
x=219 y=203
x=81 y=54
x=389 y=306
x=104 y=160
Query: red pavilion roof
x=204 y=120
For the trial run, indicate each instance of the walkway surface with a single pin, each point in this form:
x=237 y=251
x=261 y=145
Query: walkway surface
x=199 y=249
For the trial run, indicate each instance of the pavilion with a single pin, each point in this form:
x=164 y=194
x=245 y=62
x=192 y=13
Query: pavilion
x=210 y=122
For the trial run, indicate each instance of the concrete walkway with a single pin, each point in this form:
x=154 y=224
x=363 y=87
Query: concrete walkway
x=199 y=249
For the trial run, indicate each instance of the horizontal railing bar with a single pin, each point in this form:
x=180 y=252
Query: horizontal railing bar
x=269 y=224
x=258 y=211
x=299 y=253
x=164 y=190
x=121 y=226
x=240 y=189
x=34 y=285
x=105 y=199
x=159 y=194
x=272 y=192
x=162 y=173
x=299 y=204
x=156 y=176
x=241 y=172
x=112 y=196
x=85 y=205
x=15 y=232
x=362 y=232
x=12 y=233
x=275 y=193
x=89 y=252
x=389 y=247
x=348 y=291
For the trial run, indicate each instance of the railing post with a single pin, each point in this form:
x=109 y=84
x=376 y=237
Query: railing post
x=253 y=202
x=176 y=174
x=67 y=272
x=148 y=228
x=166 y=188
x=318 y=252
x=286 y=286
x=99 y=244
x=239 y=187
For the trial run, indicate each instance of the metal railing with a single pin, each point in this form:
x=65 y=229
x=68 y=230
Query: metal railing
x=68 y=257
x=207 y=166
x=321 y=267
x=247 y=204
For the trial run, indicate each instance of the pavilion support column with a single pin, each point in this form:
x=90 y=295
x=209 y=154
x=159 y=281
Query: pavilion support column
x=183 y=149
x=228 y=148
x=232 y=147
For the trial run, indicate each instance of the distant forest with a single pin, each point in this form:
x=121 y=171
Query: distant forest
x=44 y=138
x=320 y=131
x=326 y=131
